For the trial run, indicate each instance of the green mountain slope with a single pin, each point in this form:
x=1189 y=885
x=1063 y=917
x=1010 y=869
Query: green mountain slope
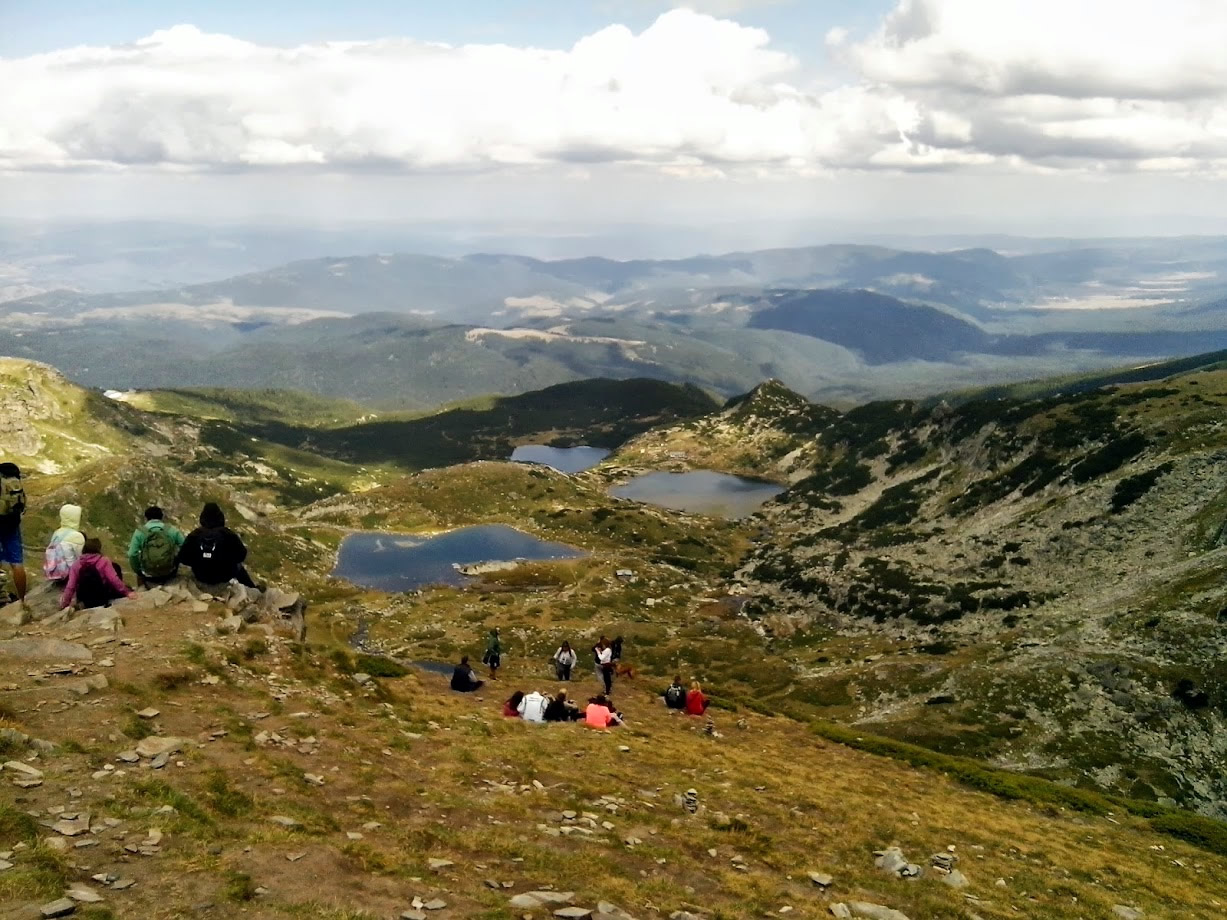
x=1036 y=583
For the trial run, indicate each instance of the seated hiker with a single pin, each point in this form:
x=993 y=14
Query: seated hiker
x=561 y=709
x=94 y=580
x=675 y=695
x=214 y=552
x=511 y=708
x=696 y=702
x=463 y=678
x=12 y=506
x=153 y=552
x=564 y=660
x=65 y=546
x=532 y=707
x=600 y=713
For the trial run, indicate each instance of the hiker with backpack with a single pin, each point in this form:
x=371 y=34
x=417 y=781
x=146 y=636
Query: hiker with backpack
x=12 y=506
x=153 y=552
x=95 y=580
x=65 y=547
x=214 y=552
x=675 y=695
x=493 y=658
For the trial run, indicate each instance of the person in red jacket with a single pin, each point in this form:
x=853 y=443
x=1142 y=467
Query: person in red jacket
x=94 y=580
x=511 y=708
x=696 y=702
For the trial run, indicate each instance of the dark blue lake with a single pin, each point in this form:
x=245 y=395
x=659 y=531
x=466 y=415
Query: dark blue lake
x=699 y=492
x=563 y=459
x=403 y=562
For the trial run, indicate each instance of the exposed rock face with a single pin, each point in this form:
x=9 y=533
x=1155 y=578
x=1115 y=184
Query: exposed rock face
x=1048 y=572
x=28 y=398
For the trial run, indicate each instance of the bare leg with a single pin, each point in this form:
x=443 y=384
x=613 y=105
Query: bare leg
x=19 y=581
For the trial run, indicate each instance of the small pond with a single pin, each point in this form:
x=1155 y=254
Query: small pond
x=699 y=492
x=403 y=562
x=563 y=459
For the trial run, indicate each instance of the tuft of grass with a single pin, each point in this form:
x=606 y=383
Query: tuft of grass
x=173 y=680
x=224 y=799
x=239 y=887
x=377 y=666
x=41 y=873
x=136 y=728
x=254 y=648
x=196 y=654
x=16 y=826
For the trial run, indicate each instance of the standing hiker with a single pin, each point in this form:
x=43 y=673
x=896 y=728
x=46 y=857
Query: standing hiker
x=153 y=552
x=564 y=661
x=605 y=664
x=12 y=506
x=494 y=654
x=65 y=546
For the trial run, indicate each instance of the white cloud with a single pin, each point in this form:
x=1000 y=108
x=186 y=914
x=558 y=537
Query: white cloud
x=948 y=85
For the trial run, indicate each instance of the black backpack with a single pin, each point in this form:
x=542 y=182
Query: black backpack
x=675 y=697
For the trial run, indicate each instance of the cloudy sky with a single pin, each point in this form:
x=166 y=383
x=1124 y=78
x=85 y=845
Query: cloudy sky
x=1025 y=115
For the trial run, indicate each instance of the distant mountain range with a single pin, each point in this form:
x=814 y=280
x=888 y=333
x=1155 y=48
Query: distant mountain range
x=841 y=323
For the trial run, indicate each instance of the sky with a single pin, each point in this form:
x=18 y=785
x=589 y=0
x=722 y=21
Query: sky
x=1039 y=116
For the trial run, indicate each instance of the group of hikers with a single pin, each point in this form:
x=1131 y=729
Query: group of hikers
x=599 y=711
x=76 y=564
x=606 y=657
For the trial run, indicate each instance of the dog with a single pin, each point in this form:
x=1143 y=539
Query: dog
x=624 y=670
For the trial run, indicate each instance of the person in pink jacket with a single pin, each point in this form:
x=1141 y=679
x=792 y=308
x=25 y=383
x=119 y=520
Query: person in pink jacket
x=94 y=580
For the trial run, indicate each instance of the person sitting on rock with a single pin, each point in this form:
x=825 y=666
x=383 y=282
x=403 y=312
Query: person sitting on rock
x=600 y=713
x=511 y=708
x=564 y=660
x=65 y=546
x=94 y=580
x=214 y=552
x=154 y=549
x=561 y=709
x=463 y=678
x=532 y=707
x=696 y=702
x=12 y=506
x=675 y=695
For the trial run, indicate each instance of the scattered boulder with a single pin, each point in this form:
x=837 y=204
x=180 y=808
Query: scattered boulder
x=892 y=860
x=59 y=908
x=821 y=879
x=53 y=649
x=1127 y=913
x=874 y=911
x=155 y=745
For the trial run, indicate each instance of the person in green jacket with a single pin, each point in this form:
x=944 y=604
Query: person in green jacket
x=494 y=653
x=154 y=550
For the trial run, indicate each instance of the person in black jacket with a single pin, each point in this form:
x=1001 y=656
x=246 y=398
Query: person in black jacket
x=214 y=552
x=463 y=678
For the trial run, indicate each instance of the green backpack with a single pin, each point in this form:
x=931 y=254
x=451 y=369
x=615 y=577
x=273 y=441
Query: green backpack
x=12 y=497
x=159 y=554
